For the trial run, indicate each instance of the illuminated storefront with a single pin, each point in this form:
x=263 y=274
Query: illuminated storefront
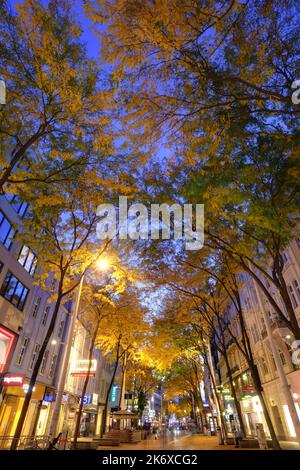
x=7 y=343
x=14 y=391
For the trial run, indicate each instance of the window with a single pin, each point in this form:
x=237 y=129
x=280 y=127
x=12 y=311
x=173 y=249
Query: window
x=45 y=315
x=255 y=334
x=1 y=266
x=298 y=242
x=28 y=260
x=296 y=288
x=44 y=362
x=273 y=362
x=34 y=355
x=285 y=257
x=282 y=358
x=264 y=366
x=22 y=352
x=52 y=365
x=7 y=232
x=36 y=307
x=60 y=329
x=293 y=297
x=19 y=206
x=14 y=291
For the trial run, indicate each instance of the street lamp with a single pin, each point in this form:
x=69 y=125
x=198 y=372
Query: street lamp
x=102 y=265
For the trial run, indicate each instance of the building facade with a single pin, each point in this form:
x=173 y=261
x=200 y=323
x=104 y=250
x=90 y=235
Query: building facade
x=256 y=309
x=25 y=313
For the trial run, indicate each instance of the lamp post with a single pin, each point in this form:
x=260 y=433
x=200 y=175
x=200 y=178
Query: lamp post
x=102 y=264
x=64 y=363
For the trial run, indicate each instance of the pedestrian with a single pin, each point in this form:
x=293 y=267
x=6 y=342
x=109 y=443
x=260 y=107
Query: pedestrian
x=155 y=430
x=237 y=437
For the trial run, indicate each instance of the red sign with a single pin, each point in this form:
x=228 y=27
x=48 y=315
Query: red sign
x=14 y=380
x=248 y=388
x=7 y=338
x=83 y=374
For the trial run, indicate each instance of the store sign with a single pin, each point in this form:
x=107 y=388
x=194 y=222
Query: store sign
x=87 y=399
x=95 y=399
x=50 y=395
x=248 y=388
x=82 y=368
x=7 y=339
x=26 y=388
x=13 y=380
x=228 y=398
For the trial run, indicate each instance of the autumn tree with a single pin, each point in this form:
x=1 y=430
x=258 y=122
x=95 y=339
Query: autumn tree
x=95 y=306
x=202 y=73
x=122 y=333
x=61 y=232
x=55 y=119
x=217 y=299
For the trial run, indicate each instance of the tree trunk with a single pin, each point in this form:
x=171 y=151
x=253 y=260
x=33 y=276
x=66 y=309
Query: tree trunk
x=86 y=381
x=17 y=156
x=104 y=416
x=123 y=379
x=216 y=395
x=259 y=391
x=34 y=375
x=236 y=402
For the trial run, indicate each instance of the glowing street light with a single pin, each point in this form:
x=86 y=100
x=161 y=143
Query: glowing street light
x=103 y=264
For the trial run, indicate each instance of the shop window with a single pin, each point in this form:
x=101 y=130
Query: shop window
x=22 y=352
x=7 y=232
x=28 y=260
x=14 y=291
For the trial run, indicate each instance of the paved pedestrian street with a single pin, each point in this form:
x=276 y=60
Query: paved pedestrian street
x=176 y=441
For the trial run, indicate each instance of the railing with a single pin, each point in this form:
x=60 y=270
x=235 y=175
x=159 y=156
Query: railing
x=25 y=442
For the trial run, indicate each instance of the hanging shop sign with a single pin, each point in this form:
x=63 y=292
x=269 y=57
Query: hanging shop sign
x=248 y=388
x=50 y=395
x=87 y=399
x=14 y=380
x=82 y=368
x=95 y=399
x=228 y=398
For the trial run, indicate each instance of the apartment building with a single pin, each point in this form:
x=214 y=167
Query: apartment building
x=25 y=313
x=255 y=309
